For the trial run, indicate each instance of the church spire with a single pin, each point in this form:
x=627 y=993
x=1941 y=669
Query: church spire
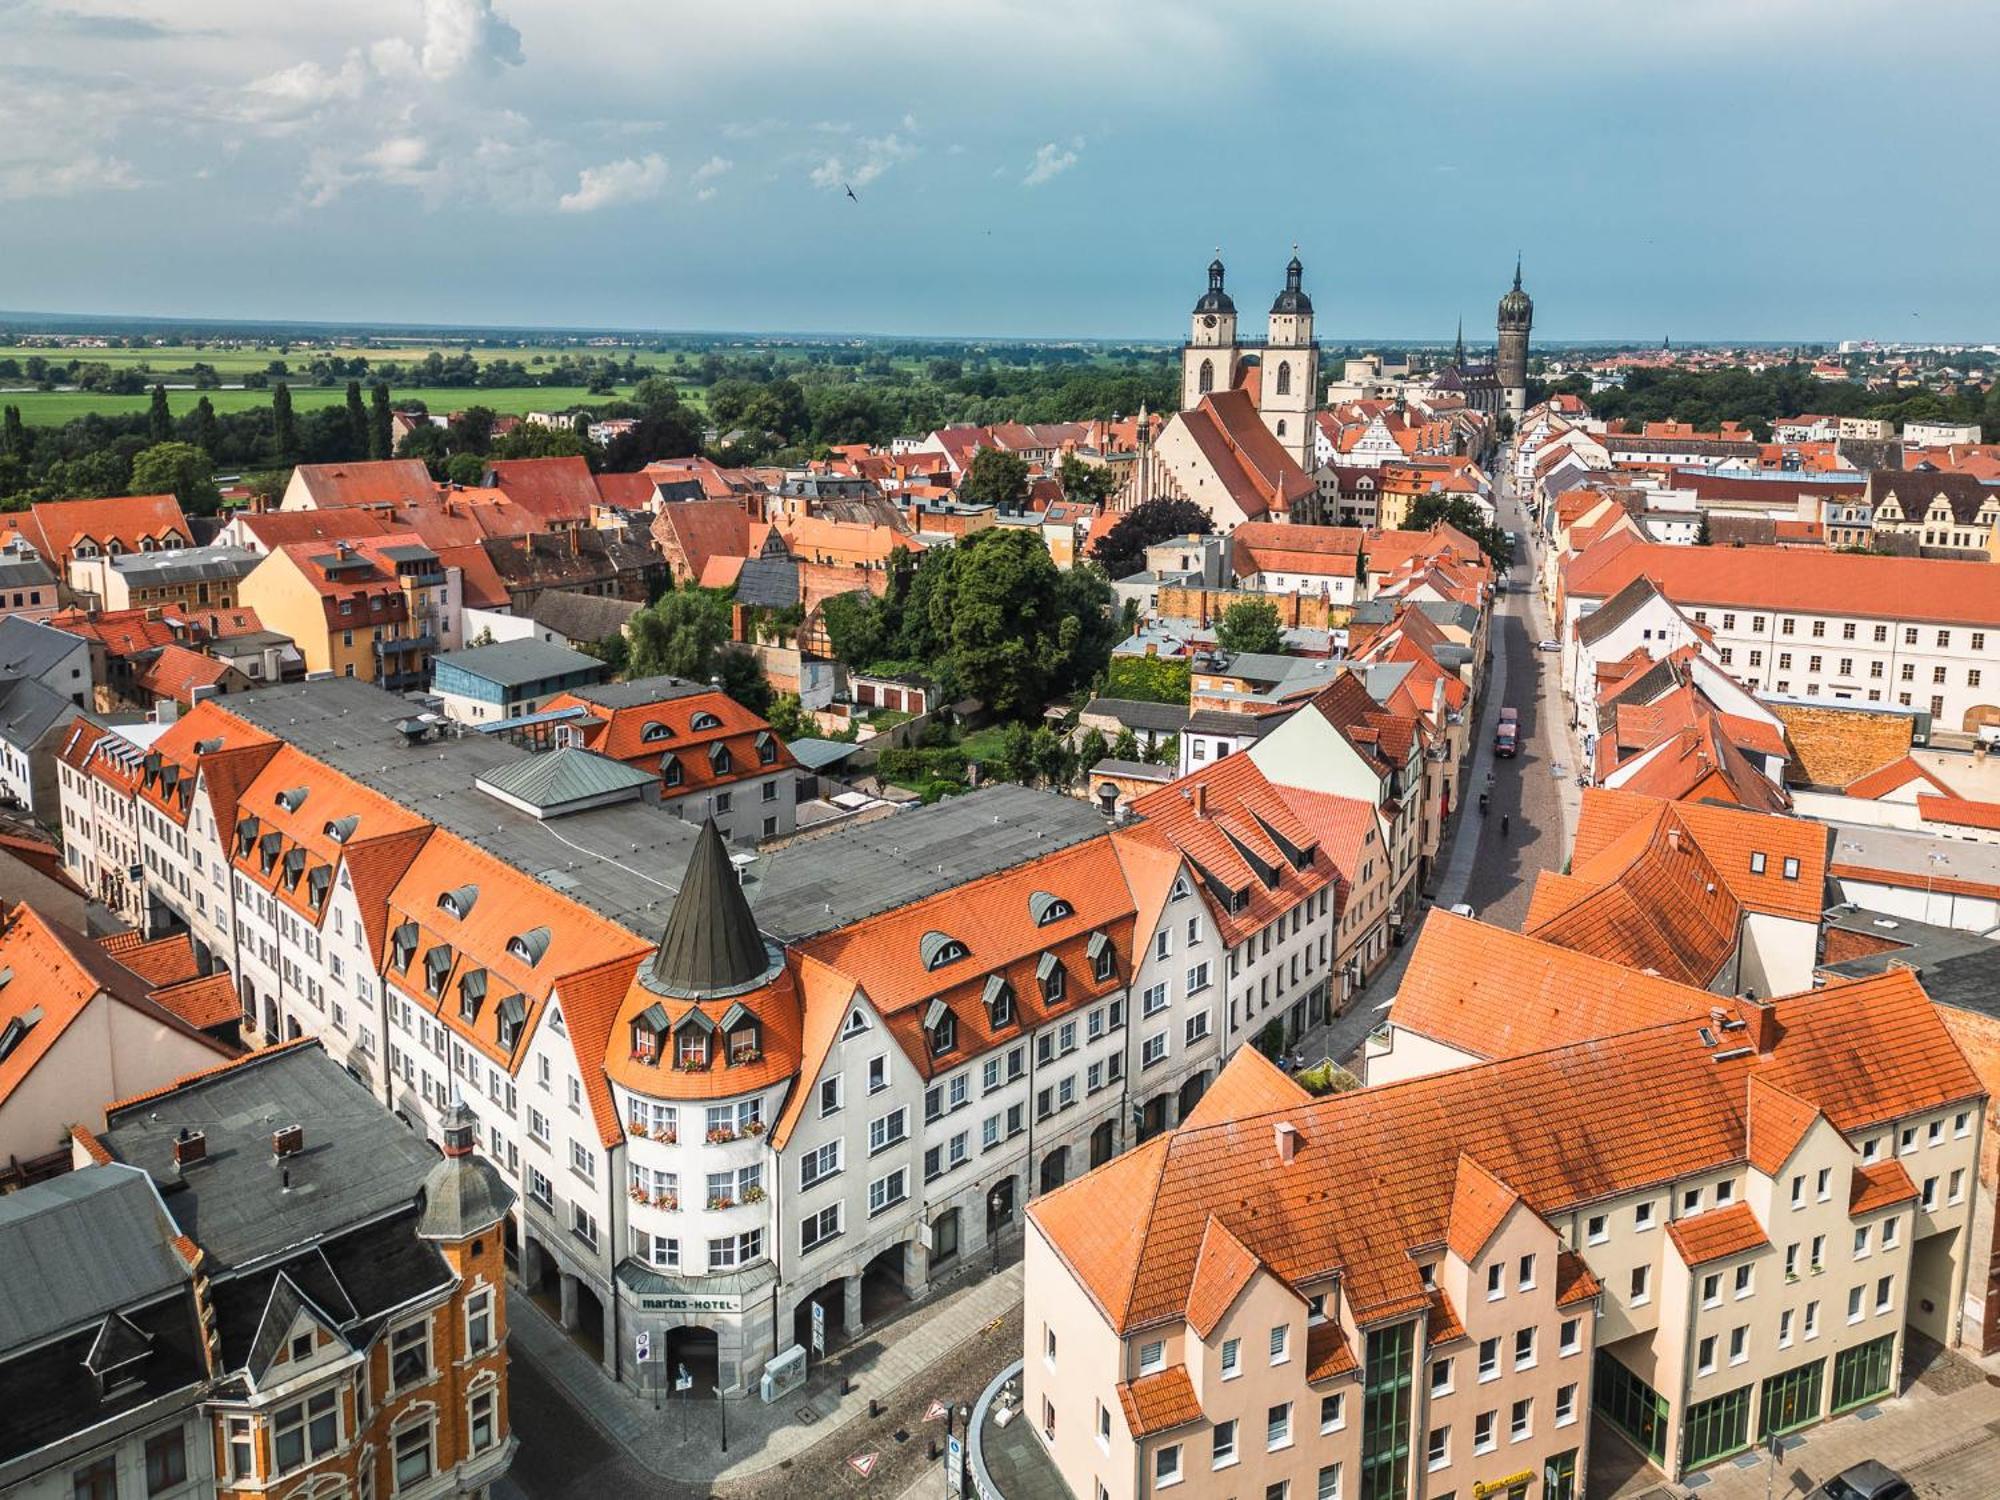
x=1517 y=270
x=1458 y=345
x=711 y=944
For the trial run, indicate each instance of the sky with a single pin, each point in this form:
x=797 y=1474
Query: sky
x=1698 y=169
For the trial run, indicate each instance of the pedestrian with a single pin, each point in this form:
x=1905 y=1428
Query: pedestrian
x=1503 y=825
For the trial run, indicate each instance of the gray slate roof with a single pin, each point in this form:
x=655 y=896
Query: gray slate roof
x=78 y=1247
x=517 y=663
x=1136 y=713
x=817 y=754
x=558 y=778
x=711 y=946
x=28 y=710
x=581 y=617
x=178 y=565
x=638 y=691
x=769 y=582
x=29 y=648
x=359 y=1161
x=24 y=573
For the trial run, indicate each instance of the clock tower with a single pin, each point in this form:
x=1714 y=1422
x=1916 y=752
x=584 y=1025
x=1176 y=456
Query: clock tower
x=1211 y=354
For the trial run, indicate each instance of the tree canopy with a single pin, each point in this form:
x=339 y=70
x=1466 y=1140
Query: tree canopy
x=179 y=469
x=1121 y=551
x=1460 y=513
x=1250 y=625
x=996 y=478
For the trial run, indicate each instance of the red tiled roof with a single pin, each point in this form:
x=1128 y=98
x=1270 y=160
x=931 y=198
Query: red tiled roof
x=1878 y=1185
x=128 y=519
x=1159 y=1402
x=1717 y=1234
x=176 y=672
x=1959 y=810
x=390 y=479
x=557 y=491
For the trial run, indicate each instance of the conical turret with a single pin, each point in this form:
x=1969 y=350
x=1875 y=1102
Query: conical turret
x=711 y=944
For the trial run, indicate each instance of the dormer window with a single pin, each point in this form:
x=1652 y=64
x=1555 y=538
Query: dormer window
x=649 y=1030
x=703 y=719
x=318 y=883
x=940 y=1028
x=340 y=830
x=654 y=730
x=529 y=946
x=1047 y=909
x=1050 y=975
x=295 y=866
x=999 y=999
x=458 y=901
x=937 y=950
x=471 y=994
x=246 y=837
x=268 y=849
x=719 y=759
x=437 y=968
x=670 y=770
x=292 y=799
x=1103 y=957
x=511 y=1017
x=691 y=1042
x=403 y=946
x=767 y=748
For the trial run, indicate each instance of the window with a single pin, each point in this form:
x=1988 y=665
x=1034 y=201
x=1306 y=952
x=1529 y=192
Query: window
x=413 y=1456
x=1711 y=1289
x=878 y=1074
x=1489 y=1358
x=1232 y=1358
x=1594 y=1229
x=1332 y=1413
x=1153 y=999
x=1744 y=1274
x=166 y=1460
x=1329 y=1483
x=1884 y=1288
x=1281 y=1343
x=1524 y=1274
x=1524 y=1349
x=886 y=1130
x=1785 y=1329
x=1812 y=1320
x=819 y=1164
x=1278 y=1427
x=829 y=1096
x=1049 y=1346
x=1224 y=1452
x=483 y=1430
x=1929 y=1198
x=1642 y=1277
x=1197 y=1027
x=887 y=1191
x=1437 y=1451
x=242 y=1448
x=1642 y=1216
x=1496 y=1276
x=479 y=1322
x=1757 y=861
x=1520 y=1422
x=1955 y=1193
x=1152 y=1356
x=1482 y=1432
x=1854 y=1301
x=1166 y=1464
x=1569 y=1336
x=1889 y=1234
x=819 y=1227
x=410 y=1355
x=1739 y=1344
x=96 y=1481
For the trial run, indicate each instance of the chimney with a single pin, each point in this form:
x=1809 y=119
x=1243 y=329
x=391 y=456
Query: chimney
x=1201 y=811
x=190 y=1146
x=739 y=620
x=1286 y=1137
x=288 y=1141
x=1760 y=1017
x=1674 y=839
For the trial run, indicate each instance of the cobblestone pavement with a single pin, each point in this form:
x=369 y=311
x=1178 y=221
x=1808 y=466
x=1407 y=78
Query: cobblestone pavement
x=582 y=1436
x=1942 y=1434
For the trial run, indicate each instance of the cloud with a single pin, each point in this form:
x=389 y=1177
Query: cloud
x=90 y=172
x=1051 y=161
x=631 y=180
x=706 y=174
x=751 y=130
x=869 y=159
x=464 y=36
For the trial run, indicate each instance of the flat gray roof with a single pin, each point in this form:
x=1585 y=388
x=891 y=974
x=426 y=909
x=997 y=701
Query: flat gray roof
x=359 y=1161
x=819 y=884
x=184 y=565
x=516 y=663
x=1906 y=852
x=638 y=691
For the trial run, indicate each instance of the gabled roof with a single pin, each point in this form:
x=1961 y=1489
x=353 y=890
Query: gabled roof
x=127 y=519
x=1777 y=1120
x=556 y=491
x=1718 y=1234
x=332 y=486
x=1480 y=1203
x=1894 y=776
x=1221 y=1271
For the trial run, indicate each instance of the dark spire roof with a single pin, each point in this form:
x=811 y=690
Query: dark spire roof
x=711 y=945
x=1215 y=299
x=1458 y=345
x=1293 y=298
x=1516 y=306
x=462 y=1194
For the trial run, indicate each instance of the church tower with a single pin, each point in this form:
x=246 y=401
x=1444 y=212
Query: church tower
x=1290 y=373
x=1211 y=354
x=1517 y=316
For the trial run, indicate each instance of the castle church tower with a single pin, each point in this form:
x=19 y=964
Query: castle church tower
x=1290 y=373
x=1517 y=316
x=1211 y=354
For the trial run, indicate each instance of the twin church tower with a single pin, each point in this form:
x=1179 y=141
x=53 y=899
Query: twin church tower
x=1286 y=380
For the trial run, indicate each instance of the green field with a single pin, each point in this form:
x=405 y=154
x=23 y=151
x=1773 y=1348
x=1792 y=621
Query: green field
x=53 y=408
x=239 y=359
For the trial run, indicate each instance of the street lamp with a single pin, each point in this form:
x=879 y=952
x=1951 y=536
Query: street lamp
x=993 y=1202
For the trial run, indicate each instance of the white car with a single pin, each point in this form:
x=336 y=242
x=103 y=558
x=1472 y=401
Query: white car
x=1461 y=909
x=1548 y=645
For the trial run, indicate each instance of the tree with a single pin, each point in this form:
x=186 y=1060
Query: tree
x=997 y=607
x=1461 y=515
x=679 y=634
x=1121 y=551
x=743 y=679
x=996 y=478
x=159 y=420
x=357 y=421
x=1126 y=745
x=1702 y=537
x=1250 y=625
x=284 y=431
x=854 y=628
x=467 y=469
x=207 y=433
x=179 y=469
x=381 y=428
x=471 y=430
x=1085 y=483
x=431 y=444
x=13 y=437
x=1091 y=749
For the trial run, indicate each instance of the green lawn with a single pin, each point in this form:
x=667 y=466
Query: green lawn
x=53 y=408
x=169 y=359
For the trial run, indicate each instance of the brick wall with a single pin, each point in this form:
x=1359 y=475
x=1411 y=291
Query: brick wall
x=1834 y=746
x=1305 y=611
x=1978 y=1037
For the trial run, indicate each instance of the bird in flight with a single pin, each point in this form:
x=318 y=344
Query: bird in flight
x=850 y=192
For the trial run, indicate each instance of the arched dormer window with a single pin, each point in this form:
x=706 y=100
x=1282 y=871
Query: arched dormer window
x=1284 y=380
x=937 y=950
x=1205 y=382
x=653 y=731
x=703 y=719
x=1047 y=909
x=529 y=946
x=458 y=902
x=340 y=830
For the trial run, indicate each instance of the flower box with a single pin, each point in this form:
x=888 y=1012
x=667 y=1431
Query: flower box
x=671 y=1202
x=667 y=1135
x=755 y=1127
x=720 y=1135
x=753 y=1195
x=722 y=1201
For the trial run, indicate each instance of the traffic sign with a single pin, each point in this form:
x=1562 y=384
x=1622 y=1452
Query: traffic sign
x=683 y=1381
x=819 y=1328
x=642 y=1346
x=864 y=1463
x=954 y=1465
x=936 y=1411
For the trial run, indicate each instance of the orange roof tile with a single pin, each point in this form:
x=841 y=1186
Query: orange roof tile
x=371 y=482
x=1159 y=1402
x=1878 y=1185
x=176 y=672
x=1221 y=1271
x=1257 y=1087
x=1479 y=1203
x=1445 y=1323
x=1892 y=777
x=1373 y=1177
x=167 y=960
x=1777 y=1122
x=204 y=1002
x=1328 y=1353
x=1574 y=1281
x=130 y=520
x=1958 y=810
x=1718 y=1234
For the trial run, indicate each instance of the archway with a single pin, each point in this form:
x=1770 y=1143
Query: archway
x=589 y=1328
x=1153 y=1116
x=833 y=1297
x=1103 y=1143
x=883 y=1289
x=1055 y=1169
x=1190 y=1094
x=693 y=1349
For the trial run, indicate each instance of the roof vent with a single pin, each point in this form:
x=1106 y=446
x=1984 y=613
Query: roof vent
x=190 y=1146
x=288 y=1141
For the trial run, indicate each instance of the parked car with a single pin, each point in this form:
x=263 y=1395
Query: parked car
x=1461 y=909
x=1867 y=1480
x=1506 y=741
x=1548 y=645
x=1511 y=715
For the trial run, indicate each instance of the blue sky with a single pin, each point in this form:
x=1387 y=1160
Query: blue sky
x=1706 y=169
